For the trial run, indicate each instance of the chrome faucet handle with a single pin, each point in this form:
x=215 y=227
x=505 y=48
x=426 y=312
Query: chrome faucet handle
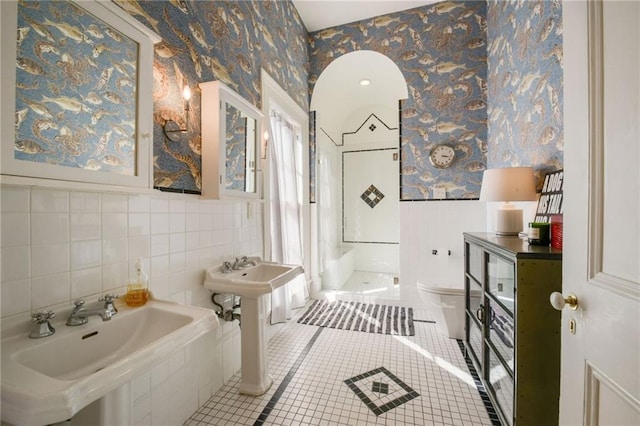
x=42 y=327
x=78 y=304
x=108 y=300
x=42 y=317
x=226 y=267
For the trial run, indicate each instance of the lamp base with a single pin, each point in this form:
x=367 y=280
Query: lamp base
x=508 y=221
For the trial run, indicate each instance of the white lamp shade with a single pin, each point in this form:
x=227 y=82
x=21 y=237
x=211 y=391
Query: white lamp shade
x=508 y=184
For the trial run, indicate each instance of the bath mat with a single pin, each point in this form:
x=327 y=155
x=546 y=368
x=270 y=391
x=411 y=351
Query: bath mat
x=356 y=316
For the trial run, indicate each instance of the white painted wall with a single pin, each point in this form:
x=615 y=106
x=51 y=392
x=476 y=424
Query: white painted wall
x=435 y=225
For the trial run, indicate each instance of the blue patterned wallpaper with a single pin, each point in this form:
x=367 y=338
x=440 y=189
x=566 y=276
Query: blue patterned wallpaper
x=441 y=50
x=525 y=85
x=76 y=82
x=216 y=40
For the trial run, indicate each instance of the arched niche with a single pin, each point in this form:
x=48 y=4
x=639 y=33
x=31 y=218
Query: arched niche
x=338 y=94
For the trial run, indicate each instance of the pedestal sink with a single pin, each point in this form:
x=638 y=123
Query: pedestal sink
x=49 y=380
x=251 y=283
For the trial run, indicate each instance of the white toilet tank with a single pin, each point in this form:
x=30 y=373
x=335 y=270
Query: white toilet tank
x=446 y=303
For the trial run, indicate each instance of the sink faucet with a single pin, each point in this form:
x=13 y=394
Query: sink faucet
x=80 y=315
x=242 y=261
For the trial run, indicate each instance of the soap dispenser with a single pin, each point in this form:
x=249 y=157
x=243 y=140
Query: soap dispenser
x=138 y=287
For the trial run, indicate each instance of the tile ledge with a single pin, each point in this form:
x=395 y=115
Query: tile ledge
x=10 y=180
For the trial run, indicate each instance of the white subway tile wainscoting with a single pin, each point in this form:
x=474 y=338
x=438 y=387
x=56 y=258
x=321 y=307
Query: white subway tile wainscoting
x=58 y=246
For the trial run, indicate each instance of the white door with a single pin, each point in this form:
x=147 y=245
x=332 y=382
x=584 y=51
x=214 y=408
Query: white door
x=600 y=382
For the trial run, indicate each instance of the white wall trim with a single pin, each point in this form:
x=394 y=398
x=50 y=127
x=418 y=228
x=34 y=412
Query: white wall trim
x=274 y=97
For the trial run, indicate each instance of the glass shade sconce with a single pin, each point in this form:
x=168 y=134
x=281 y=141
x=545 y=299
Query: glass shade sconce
x=265 y=144
x=172 y=130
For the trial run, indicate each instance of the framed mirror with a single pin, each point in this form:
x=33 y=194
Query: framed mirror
x=230 y=143
x=76 y=100
x=240 y=150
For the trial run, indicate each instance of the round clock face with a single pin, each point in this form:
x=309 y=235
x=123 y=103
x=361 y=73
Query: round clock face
x=442 y=156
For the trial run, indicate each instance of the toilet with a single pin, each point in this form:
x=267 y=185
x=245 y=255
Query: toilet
x=446 y=303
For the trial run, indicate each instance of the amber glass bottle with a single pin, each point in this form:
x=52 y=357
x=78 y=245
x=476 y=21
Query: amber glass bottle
x=138 y=287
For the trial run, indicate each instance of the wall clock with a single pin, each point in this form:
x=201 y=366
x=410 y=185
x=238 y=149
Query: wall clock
x=442 y=156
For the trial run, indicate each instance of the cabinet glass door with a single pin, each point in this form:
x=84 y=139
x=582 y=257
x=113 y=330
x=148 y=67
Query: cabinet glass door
x=501 y=386
x=475 y=259
x=501 y=333
x=475 y=339
x=474 y=298
x=500 y=282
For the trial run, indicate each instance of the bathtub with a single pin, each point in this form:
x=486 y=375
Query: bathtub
x=338 y=268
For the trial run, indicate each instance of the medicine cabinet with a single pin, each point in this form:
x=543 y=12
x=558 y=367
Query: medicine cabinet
x=230 y=143
x=52 y=130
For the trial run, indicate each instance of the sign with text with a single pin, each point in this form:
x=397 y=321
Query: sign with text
x=550 y=203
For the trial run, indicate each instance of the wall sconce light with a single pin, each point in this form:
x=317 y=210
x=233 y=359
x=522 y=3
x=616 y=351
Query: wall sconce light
x=506 y=185
x=171 y=129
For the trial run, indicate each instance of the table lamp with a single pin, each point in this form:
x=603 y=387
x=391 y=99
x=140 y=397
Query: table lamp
x=507 y=185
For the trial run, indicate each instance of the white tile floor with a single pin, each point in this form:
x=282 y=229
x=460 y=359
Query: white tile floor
x=426 y=375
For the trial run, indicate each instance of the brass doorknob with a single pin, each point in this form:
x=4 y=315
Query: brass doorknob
x=558 y=301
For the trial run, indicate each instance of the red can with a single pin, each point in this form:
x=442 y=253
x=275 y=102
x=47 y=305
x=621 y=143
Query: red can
x=556 y=231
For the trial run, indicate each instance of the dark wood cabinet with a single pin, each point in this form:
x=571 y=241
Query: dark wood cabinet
x=512 y=333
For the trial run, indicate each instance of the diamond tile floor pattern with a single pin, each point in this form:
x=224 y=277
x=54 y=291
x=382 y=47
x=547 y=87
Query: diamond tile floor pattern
x=325 y=376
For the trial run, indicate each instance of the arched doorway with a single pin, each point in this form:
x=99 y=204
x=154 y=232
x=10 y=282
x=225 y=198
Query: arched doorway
x=357 y=167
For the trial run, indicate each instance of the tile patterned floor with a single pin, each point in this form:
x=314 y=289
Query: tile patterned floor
x=325 y=376
x=368 y=287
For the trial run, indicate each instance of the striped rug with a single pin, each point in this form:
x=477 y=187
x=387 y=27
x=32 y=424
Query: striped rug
x=358 y=316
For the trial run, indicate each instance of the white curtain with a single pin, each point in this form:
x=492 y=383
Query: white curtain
x=285 y=206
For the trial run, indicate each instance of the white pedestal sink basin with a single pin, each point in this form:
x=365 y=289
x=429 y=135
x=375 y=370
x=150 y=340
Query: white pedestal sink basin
x=251 y=283
x=50 y=379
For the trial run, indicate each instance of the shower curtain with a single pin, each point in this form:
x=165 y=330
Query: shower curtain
x=285 y=213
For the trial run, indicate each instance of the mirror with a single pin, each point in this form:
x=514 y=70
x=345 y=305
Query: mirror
x=230 y=143
x=240 y=150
